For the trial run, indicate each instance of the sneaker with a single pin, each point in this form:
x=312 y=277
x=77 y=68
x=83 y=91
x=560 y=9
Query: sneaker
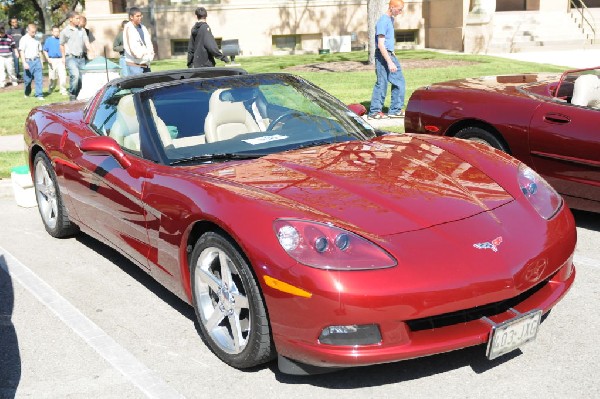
x=378 y=115
x=15 y=84
x=397 y=115
x=64 y=93
x=39 y=98
x=52 y=86
x=72 y=97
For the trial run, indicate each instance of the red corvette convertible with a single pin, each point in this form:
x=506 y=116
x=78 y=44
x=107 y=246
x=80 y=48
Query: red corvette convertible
x=550 y=122
x=297 y=231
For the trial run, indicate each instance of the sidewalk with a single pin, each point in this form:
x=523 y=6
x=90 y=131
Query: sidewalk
x=12 y=143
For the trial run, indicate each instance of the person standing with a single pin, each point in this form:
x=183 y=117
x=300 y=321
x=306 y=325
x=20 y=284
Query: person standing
x=31 y=55
x=137 y=44
x=73 y=41
x=202 y=47
x=56 y=65
x=387 y=66
x=17 y=33
x=118 y=47
x=7 y=52
x=90 y=35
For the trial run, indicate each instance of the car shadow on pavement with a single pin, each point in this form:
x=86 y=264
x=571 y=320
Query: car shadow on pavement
x=138 y=274
x=587 y=220
x=10 y=358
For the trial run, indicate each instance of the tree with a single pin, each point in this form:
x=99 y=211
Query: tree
x=44 y=13
x=375 y=8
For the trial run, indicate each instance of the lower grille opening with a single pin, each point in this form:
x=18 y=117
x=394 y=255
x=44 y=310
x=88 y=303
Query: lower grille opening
x=466 y=315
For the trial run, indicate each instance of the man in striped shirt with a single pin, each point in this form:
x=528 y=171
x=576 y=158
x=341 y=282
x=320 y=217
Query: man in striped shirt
x=7 y=50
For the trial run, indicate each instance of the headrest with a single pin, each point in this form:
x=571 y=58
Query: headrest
x=126 y=109
x=585 y=89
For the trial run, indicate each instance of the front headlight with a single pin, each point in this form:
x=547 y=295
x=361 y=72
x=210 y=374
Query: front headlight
x=325 y=246
x=540 y=194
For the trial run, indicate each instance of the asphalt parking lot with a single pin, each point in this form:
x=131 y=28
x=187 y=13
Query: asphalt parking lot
x=78 y=320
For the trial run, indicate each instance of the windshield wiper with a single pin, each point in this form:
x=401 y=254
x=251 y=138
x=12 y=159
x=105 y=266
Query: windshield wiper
x=225 y=156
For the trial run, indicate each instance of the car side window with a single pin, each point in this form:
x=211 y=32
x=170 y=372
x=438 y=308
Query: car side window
x=125 y=129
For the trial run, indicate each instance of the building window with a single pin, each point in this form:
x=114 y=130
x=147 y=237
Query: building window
x=286 y=42
x=201 y=2
x=406 y=37
x=119 y=6
x=179 y=47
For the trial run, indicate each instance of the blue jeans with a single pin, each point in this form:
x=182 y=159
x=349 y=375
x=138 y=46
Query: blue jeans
x=384 y=76
x=17 y=67
x=74 y=66
x=123 y=65
x=34 y=73
x=136 y=70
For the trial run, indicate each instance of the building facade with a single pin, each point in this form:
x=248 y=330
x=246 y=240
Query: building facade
x=272 y=27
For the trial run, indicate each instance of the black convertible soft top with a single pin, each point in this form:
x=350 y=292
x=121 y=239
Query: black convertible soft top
x=143 y=80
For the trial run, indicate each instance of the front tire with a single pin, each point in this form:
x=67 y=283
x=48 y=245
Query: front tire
x=49 y=200
x=229 y=307
x=482 y=136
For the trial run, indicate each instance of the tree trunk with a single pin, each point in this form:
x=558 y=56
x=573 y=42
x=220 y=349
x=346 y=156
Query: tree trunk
x=45 y=14
x=375 y=8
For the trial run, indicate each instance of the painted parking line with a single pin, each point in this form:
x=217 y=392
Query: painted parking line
x=146 y=380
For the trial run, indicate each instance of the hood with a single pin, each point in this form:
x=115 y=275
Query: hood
x=196 y=27
x=501 y=83
x=389 y=185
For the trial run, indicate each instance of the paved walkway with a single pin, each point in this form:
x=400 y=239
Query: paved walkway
x=12 y=143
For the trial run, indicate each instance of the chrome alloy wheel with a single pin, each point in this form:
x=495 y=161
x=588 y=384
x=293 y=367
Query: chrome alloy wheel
x=222 y=301
x=46 y=195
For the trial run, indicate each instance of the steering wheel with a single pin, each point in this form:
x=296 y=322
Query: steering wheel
x=292 y=113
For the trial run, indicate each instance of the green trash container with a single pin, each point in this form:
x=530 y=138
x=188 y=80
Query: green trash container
x=23 y=186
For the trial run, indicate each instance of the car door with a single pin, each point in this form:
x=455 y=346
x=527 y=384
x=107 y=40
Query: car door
x=565 y=147
x=107 y=197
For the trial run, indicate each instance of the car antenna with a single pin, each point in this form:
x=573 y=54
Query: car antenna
x=106 y=65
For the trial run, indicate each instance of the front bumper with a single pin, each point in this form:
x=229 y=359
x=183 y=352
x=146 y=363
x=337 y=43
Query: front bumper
x=433 y=301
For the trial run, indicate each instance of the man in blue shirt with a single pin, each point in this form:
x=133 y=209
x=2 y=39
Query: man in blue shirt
x=387 y=66
x=56 y=65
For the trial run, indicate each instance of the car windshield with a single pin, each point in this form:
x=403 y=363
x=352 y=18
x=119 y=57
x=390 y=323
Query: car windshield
x=246 y=117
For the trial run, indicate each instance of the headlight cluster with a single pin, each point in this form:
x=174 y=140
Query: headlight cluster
x=325 y=246
x=540 y=194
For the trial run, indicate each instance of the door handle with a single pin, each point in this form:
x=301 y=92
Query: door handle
x=556 y=118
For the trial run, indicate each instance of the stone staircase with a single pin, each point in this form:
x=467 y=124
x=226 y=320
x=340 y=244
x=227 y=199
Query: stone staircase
x=524 y=31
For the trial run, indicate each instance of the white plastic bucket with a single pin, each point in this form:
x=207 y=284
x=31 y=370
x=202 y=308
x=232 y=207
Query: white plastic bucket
x=23 y=186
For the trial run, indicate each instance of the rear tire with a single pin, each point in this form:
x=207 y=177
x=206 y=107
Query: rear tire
x=49 y=200
x=482 y=136
x=229 y=307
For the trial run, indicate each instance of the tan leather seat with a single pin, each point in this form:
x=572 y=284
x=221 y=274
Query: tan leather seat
x=161 y=127
x=226 y=119
x=126 y=129
x=586 y=91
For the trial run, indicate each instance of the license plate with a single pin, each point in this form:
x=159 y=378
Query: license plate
x=511 y=334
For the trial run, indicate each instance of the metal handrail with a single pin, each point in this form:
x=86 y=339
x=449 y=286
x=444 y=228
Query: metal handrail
x=579 y=4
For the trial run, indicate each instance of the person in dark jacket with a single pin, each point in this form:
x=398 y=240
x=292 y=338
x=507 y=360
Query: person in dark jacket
x=202 y=48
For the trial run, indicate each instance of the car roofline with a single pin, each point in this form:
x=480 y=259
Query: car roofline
x=146 y=79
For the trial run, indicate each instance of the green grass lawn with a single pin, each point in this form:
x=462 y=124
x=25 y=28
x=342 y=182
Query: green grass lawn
x=349 y=87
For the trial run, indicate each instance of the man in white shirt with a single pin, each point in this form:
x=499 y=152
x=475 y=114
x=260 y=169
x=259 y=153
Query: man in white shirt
x=137 y=44
x=30 y=49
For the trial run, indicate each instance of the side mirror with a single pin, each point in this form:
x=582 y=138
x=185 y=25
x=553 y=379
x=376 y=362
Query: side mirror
x=104 y=145
x=358 y=109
